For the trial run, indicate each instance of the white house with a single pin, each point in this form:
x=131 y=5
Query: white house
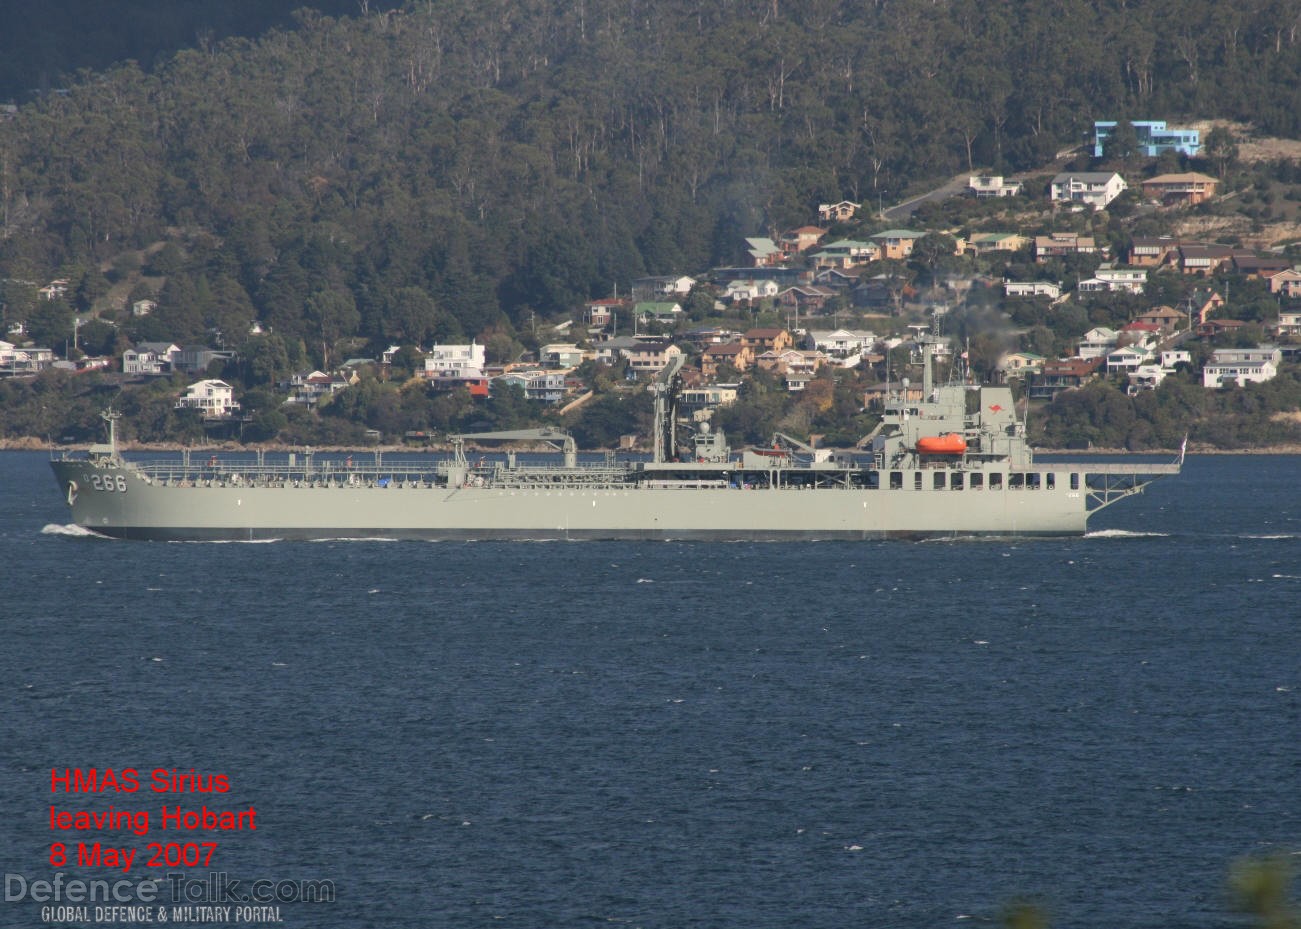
x=1111 y=280
x=990 y=186
x=649 y=287
x=563 y=355
x=1097 y=342
x=542 y=386
x=844 y=347
x=16 y=361
x=1126 y=359
x=1146 y=377
x=750 y=289
x=214 y=399
x=455 y=361
x=1032 y=289
x=152 y=358
x=1241 y=366
x=1095 y=188
x=1289 y=322
x=1170 y=358
x=708 y=397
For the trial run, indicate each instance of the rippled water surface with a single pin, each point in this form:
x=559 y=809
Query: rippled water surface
x=670 y=735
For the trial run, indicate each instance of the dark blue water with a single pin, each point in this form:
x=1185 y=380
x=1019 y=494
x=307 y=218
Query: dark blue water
x=700 y=735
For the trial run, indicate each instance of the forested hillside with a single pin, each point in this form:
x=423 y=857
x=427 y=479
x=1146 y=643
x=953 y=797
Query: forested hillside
x=433 y=171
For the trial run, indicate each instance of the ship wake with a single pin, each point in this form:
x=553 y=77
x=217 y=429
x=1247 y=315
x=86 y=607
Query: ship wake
x=71 y=531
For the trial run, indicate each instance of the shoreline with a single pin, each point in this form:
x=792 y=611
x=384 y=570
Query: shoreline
x=29 y=444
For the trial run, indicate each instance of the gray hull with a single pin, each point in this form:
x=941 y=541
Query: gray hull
x=123 y=502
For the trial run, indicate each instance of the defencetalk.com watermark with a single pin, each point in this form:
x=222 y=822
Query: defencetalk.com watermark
x=214 y=888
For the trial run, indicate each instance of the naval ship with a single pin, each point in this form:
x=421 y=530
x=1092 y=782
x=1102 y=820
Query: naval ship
x=949 y=460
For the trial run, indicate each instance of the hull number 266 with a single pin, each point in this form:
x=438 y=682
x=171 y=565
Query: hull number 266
x=110 y=482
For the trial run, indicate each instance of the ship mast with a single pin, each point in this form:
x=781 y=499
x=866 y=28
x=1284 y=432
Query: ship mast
x=665 y=389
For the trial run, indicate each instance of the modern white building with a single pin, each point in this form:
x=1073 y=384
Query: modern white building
x=991 y=186
x=1241 y=366
x=214 y=399
x=1095 y=188
x=455 y=361
x=1112 y=280
x=1032 y=289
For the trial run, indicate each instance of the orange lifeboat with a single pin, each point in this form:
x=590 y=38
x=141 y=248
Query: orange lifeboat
x=951 y=443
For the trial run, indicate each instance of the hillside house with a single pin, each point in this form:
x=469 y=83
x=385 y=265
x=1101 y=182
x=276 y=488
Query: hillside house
x=308 y=389
x=1289 y=322
x=1064 y=374
x=1032 y=289
x=1139 y=333
x=844 y=254
x=749 y=290
x=195 y=359
x=806 y=298
x=1203 y=260
x=707 y=397
x=1060 y=244
x=1154 y=137
x=656 y=288
x=764 y=252
x=983 y=243
x=600 y=313
x=1202 y=304
x=1097 y=342
x=1108 y=279
x=539 y=386
x=55 y=290
x=986 y=186
x=1285 y=283
x=455 y=360
x=1127 y=358
x=1187 y=189
x=1260 y=267
x=657 y=311
x=1166 y=319
x=1093 y=188
x=1241 y=366
x=152 y=359
x=797 y=241
x=840 y=345
x=896 y=244
x=1214 y=328
x=1019 y=364
x=1152 y=252
x=838 y=212
x=212 y=398
x=766 y=340
x=650 y=356
x=562 y=355
x=728 y=354
x=18 y=362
